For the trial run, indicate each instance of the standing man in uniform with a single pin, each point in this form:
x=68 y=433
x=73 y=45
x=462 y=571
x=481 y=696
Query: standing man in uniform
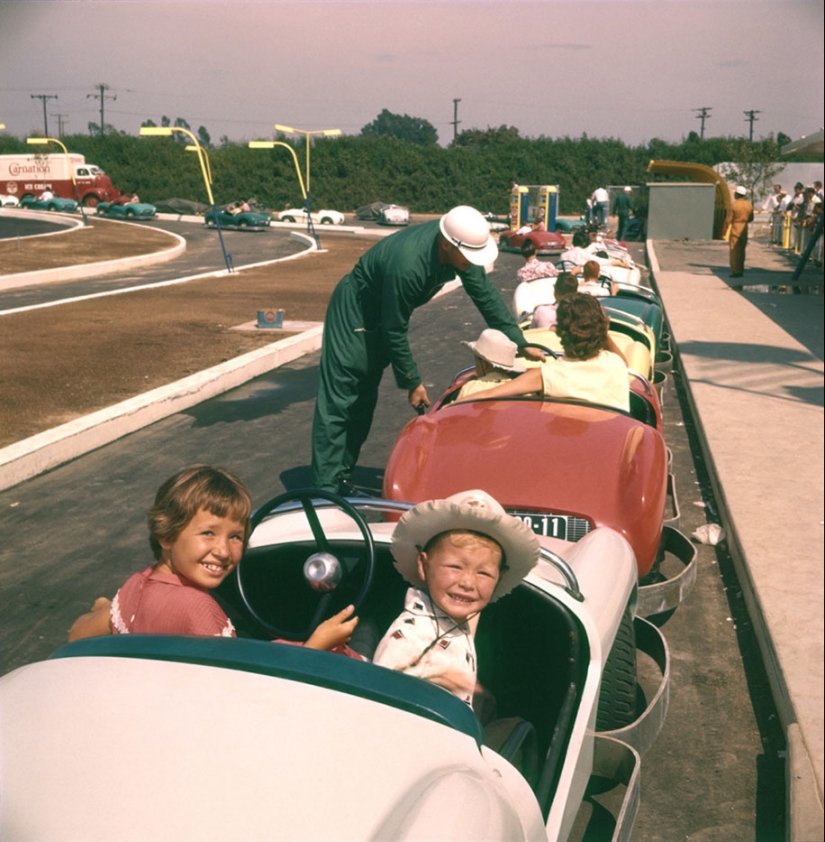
x=623 y=208
x=365 y=329
x=739 y=215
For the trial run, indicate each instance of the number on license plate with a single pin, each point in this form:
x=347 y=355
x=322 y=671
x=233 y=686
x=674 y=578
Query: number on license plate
x=553 y=526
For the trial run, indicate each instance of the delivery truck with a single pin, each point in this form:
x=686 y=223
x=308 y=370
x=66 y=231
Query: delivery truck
x=29 y=175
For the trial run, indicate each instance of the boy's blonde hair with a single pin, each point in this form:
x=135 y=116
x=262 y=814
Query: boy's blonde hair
x=188 y=491
x=466 y=538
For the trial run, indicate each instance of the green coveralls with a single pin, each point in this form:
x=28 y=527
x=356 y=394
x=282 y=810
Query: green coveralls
x=365 y=330
x=622 y=207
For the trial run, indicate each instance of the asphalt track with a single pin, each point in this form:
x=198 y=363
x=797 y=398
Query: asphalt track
x=203 y=255
x=716 y=771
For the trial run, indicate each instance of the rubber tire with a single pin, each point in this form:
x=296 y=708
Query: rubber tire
x=90 y=201
x=288 y=219
x=618 y=694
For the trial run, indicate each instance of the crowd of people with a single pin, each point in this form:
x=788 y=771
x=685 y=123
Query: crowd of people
x=795 y=217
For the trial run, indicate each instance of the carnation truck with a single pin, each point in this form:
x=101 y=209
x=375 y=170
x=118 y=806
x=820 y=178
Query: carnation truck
x=29 y=175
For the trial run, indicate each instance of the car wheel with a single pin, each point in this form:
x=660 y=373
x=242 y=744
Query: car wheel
x=51 y=206
x=243 y=223
x=619 y=692
x=326 y=221
x=91 y=201
x=288 y=219
x=130 y=214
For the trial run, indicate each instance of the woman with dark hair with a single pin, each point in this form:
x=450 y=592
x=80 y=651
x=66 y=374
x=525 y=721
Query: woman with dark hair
x=592 y=368
x=534 y=268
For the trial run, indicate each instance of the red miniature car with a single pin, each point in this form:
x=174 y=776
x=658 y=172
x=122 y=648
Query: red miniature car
x=563 y=466
x=546 y=242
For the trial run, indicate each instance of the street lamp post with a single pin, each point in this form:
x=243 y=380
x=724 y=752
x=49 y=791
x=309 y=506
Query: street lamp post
x=323 y=133
x=167 y=131
x=271 y=144
x=42 y=141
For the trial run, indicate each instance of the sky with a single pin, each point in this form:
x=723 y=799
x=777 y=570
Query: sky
x=606 y=68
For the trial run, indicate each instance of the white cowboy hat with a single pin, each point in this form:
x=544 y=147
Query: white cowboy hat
x=497 y=349
x=472 y=511
x=741 y=191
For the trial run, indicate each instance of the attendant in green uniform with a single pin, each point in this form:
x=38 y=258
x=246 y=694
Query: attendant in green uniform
x=365 y=329
x=623 y=208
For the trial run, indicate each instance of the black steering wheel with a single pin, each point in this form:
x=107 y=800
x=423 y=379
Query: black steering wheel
x=305 y=579
x=549 y=351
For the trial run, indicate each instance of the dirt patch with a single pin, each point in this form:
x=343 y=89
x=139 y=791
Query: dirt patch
x=63 y=362
x=100 y=240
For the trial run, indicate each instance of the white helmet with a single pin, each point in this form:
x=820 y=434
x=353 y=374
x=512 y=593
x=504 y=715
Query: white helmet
x=469 y=232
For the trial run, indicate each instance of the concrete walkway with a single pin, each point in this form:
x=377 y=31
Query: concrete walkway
x=752 y=365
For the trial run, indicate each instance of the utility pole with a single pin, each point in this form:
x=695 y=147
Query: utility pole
x=60 y=123
x=704 y=114
x=456 y=121
x=45 y=97
x=101 y=96
x=750 y=116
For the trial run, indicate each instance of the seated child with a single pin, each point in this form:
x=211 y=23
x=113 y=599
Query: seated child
x=534 y=268
x=495 y=357
x=458 y=554
x=544 y=316
x=593 y=367
x=591 y=273
x=198 y=529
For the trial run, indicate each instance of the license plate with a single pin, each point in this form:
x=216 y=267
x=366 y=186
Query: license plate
x=553 y=526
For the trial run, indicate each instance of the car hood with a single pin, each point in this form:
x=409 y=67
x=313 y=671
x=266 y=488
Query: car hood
x=540 y=456
x=254 y=757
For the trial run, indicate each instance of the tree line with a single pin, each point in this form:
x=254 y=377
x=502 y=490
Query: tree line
x=397 y=159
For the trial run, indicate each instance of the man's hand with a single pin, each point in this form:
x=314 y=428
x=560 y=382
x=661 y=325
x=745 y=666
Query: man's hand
x=533 y=354
x=418 y=397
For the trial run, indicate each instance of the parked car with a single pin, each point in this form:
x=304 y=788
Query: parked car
x=132 y=210
x=568 y=226
x=263 y=738
x=53 y=204
x=546 y=242
x=244 y=221
x=8 y=201
x=319 y=217
x=394 y=215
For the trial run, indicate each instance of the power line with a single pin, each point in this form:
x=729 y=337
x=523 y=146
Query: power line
x=704 y=114
x=750 y=116
x=44 y=98
x=60 y=123
x=101 y=96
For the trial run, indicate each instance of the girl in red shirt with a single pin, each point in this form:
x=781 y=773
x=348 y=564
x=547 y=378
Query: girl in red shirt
x=198 y=529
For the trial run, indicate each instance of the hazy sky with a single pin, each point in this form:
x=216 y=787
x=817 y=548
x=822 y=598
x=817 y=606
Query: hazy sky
x=609 y=68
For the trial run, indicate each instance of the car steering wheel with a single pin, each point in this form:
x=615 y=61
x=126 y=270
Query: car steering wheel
x=321 y=570
x=549 y=351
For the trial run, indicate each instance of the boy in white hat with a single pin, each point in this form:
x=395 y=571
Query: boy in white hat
x=459 y=554
x=495 y=358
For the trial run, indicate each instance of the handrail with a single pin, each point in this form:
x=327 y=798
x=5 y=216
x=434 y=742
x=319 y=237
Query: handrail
x=569 y=576
x=645 y=381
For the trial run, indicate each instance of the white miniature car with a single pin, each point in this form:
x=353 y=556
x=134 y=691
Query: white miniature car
x=222 y=738
x=394 y=215
x=319 y=217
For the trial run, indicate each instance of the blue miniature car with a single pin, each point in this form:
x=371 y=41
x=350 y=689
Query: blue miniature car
x=244 y=221
x=131 y=210
x=53 y=204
